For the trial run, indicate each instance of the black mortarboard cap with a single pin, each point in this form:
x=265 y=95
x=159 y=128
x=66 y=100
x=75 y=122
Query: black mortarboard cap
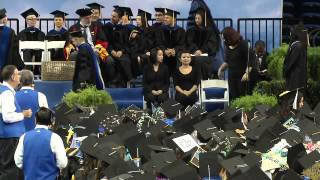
x=118 y=168
x=76 y=34
x=287 y=175
x=84 y=12
x=95 y=6
x=88 y=145
x=162 y=10
x=171 y=108
x=28 y=12
x=171 y=12
x=252 y=174
x=159 y=148
x=234 y=166
x=160 y=160
x=86 y=127
x=293 y=137
x=310 y=128
x=144 y=176
x=179 y=170
x=208 y=162
x=308 y=160
x=58 y=13
x=3 y=13
x=294 y=153
x=144 y=14
x=205 y=129
x=125 y=11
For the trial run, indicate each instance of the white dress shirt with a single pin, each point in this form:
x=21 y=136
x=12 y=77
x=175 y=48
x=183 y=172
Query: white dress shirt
x=42 y=99
x=86 y=29
x=57 y=148
x=7 y=106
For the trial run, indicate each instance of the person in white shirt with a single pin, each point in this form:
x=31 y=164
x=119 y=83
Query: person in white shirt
x=11 y=123
x=40 y=152
x=27 y=97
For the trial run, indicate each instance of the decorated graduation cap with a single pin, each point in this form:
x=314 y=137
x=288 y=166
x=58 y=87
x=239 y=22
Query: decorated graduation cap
x=3 y=13
x=60 y=14
x=161 y=10
x=144 y=14
x=84 y=12
x=171 y=108
x=29 y=12
x=95 y=6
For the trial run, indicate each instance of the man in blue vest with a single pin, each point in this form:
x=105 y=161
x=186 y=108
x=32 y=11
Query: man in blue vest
x=27 y=98
x=40 y=152
x=11 y=122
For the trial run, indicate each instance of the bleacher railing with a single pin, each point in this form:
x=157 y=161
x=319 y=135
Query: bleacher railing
x=14 y=24
x=254 y=29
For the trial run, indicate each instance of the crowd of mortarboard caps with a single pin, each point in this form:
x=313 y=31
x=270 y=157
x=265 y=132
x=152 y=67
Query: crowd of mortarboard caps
x=131 y=144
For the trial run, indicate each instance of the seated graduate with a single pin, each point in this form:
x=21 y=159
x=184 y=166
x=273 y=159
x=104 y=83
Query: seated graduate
x=96 y=13
x=59 y=33
x=156 y=79
x=186 y=80
x=171 y=37
x=202 y=42
x=156 y=27
x=118 y=37
x=31 y=33
x=87 y=70
x=139 y=43
x=40 y=152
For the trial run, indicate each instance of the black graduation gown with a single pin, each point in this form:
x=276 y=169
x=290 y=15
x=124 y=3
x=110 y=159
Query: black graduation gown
x=9 y=51
x=54 y=35
x=32 y=34
x=259 y=63
x=155 y=81
x=237 y=60
x=85 y=69
x=295 y=66
x=171 y=37
x=152 y=34
x=186 y=82
x=204 y=39
x=118 y=38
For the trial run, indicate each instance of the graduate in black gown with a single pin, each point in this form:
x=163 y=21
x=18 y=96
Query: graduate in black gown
x=87 y=70
x=59 y=33
x=9 y=46
x=94 y=35
x=156 y=26
x=186 y=80
x=238 y=60
x=171 y=38
x=118 y=37
x=202 y=42
x=295 y=63
x=140 y=43
x=156 y=79
x=96 y=14
x=31 y=33
x=259 y=65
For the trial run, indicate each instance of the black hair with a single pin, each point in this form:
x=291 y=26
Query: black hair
x=7 y=72
x=182 y=51
x=44 y=116
x=153 y=55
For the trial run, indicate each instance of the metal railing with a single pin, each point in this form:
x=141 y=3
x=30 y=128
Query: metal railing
x=14 y=24
x=254 y=29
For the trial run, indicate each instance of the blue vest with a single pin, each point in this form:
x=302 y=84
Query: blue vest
x=39 y=162
x=9 y=130
x=28 y=99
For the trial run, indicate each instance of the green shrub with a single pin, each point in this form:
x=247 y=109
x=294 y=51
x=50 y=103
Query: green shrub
x=249 y=102
x=312 y=93
x=274 y=87
x=314 y=63
x=275 y=62
x=88 y=97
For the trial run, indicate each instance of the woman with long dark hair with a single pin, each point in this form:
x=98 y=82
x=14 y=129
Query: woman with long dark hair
x=202 y=42
x=238 y=61
x=186 y=80
x=156 y=79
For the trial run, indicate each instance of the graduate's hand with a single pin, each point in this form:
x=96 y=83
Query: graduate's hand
x=114 y=53
x=167 y=52
x=159 y=92
x=220 y=74
x=148 y=53
x=187 y=93
x=173 y=52
x=119 y=54
x=198 y=53
x=154 y=92
x=27 y=113
x=245 y=77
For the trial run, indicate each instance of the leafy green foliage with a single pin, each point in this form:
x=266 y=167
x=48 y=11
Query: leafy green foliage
x=275 y=62
x=88 y=97
x=249 y=102
x=270 y=88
